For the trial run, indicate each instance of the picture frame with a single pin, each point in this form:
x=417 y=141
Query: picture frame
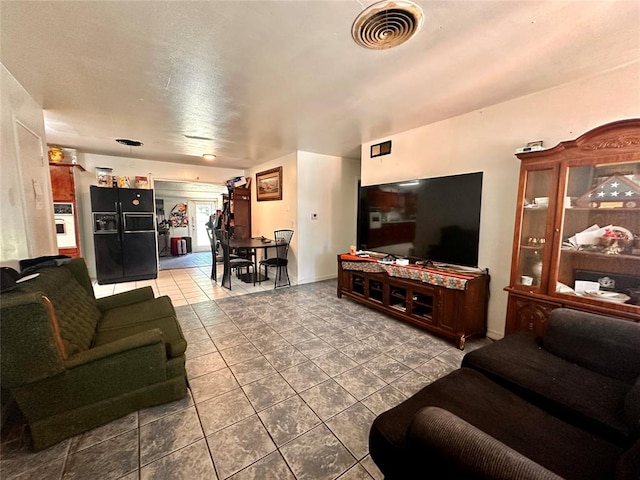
x=269 y=185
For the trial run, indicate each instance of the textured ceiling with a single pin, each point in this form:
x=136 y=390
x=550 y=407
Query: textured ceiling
x=254 y=80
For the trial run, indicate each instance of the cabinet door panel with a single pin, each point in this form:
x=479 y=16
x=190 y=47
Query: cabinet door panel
x=424 y=305
x=528 y=314
x=62 y=183
x=601 y=223
x=449 y=305
x=534 y=227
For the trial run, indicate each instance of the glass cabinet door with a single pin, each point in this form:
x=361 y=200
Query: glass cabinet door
x=600 y=253
x=537 y=204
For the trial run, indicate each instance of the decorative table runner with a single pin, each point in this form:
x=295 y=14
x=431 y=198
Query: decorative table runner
x=456 y=281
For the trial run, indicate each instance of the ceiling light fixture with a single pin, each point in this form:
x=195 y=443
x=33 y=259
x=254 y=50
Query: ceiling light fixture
x=196 y=137
x=129 y=143
x=208 y=156
x=387 y=24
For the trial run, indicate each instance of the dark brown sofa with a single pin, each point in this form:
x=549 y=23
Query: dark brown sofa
x=566 y=404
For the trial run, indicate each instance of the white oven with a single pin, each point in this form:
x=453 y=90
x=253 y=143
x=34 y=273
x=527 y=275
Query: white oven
x=65 y=224
x=375 y=220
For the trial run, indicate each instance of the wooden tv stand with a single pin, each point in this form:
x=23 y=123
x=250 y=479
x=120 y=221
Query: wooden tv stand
x=452 y=304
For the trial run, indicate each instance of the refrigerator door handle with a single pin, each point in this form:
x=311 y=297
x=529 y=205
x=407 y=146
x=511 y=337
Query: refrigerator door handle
x=120 y=221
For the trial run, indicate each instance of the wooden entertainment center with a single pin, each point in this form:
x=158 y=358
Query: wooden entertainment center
x=448 y=302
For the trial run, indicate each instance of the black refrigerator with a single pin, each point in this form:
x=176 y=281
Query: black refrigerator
x=124 y=234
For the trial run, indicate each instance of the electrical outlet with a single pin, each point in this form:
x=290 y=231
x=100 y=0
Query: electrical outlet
x=314 y=216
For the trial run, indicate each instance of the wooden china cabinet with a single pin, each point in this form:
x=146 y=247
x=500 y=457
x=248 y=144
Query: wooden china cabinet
x=577 y=232
x=240 y=212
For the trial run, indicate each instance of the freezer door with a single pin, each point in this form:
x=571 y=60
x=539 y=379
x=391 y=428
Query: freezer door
x=136 y=200
x=108 y=258
x=139 y=255
x=104 y=199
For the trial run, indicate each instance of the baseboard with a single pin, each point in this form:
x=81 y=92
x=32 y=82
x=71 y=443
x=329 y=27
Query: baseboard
x=495 y=334
x=317 y=279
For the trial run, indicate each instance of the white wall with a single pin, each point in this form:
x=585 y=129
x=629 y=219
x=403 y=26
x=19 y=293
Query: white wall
x=131 y=167
x=327 y=186
x=266 y=217
x=485 y=140
x=28 y=228
x=312 y=183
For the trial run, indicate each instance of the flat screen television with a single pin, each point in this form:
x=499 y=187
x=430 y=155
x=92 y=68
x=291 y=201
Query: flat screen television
x=430 y=219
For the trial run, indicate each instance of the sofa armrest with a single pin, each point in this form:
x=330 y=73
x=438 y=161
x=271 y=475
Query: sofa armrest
x=117 y=347
x=468 y=450
x=29 y=351
x=125 y=298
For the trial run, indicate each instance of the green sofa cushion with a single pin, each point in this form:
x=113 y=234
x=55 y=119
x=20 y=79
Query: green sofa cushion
x=171 y=332
x=75 y=309
x=144 y=311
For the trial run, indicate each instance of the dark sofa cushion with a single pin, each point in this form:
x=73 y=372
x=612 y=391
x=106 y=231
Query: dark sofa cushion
x=628 y=467
x=632 y=407
x=568 y=451
x=577 y=336
x=578 y=395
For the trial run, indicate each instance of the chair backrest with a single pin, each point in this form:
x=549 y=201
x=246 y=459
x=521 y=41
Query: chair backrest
x=223 y=236
x=283 y=239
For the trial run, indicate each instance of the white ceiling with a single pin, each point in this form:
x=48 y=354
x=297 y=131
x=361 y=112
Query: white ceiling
x=258 y=79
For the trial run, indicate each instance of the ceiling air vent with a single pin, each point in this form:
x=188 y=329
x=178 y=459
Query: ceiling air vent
x=387 y=24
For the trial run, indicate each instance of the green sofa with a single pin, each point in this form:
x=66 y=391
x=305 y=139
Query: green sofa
x=73 y=362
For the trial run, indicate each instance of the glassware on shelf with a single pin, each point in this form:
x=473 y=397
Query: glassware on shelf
x=533 y=228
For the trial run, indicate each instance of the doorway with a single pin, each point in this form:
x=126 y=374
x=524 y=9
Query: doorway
x=202 y=211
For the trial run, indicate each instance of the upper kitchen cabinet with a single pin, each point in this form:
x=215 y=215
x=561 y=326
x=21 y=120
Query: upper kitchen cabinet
x=577 y=233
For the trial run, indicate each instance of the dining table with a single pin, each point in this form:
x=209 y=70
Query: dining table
x=251 y=246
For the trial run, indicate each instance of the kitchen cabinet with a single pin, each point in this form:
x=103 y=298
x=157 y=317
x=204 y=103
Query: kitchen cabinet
x=63 y=187
x=577 y=230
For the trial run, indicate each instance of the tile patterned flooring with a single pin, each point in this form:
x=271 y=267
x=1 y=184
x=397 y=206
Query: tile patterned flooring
x=284 y=384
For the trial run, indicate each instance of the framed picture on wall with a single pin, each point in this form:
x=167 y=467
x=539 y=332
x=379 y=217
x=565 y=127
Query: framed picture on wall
x=269 y=185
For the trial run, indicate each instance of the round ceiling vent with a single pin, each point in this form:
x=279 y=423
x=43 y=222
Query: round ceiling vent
x=129 y=143
x=387 y=24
